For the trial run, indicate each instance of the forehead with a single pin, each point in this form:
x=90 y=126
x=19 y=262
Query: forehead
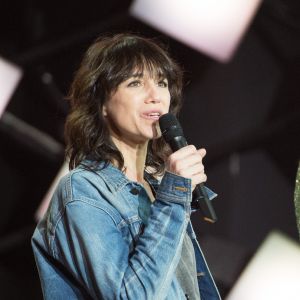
x=147 y=71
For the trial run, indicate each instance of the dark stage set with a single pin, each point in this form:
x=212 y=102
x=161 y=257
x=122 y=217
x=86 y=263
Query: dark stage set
x=245 y=112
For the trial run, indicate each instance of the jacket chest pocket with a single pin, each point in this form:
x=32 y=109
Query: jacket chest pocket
x=132 y=231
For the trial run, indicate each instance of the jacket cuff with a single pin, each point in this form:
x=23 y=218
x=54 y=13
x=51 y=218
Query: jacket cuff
x=174 y=188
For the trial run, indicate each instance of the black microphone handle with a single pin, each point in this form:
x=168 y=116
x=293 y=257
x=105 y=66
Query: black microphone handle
x=200 y=198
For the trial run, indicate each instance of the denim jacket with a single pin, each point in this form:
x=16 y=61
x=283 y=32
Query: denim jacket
x=99 y=241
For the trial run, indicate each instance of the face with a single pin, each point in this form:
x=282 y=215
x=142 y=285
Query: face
x=133 y=110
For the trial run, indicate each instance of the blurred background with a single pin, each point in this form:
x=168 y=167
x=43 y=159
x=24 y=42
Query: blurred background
x=242 y=106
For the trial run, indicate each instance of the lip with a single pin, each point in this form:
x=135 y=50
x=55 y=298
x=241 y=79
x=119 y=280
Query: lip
x=147 y=114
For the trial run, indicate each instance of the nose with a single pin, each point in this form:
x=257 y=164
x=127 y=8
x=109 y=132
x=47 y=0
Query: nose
x=153 y=95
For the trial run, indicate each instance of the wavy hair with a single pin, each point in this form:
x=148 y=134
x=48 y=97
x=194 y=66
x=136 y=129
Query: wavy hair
x=108 y=62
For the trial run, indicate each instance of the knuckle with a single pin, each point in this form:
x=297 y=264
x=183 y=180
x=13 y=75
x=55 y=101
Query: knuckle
x=202 y=152
x=192 y=147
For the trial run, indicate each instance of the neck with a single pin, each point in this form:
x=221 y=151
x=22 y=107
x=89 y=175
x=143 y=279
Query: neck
x=134 y=159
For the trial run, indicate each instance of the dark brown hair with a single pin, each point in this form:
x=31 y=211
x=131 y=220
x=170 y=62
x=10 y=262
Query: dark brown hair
x=108 y=62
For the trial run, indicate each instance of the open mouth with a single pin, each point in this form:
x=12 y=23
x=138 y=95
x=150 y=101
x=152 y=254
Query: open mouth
x=152 y=115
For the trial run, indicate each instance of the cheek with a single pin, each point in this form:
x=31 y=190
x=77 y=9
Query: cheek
x=168 y=101
x=120 y=115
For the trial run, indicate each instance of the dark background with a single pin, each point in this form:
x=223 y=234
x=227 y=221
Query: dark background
x=245 y=113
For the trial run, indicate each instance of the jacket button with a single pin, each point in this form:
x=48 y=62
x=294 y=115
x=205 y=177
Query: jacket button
x=134 y=191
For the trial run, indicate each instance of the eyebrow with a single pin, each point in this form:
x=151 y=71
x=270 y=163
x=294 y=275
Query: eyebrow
x=141 y=74
x=136 y=75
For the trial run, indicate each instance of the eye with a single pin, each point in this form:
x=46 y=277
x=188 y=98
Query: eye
x=163 y=83
x=134 y=83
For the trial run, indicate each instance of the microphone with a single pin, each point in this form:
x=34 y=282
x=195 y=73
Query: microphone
x=173 y=135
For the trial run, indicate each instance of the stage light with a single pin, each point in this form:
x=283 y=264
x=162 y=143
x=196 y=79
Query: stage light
x=213 y=27
x=10 y=75
x=272 y=274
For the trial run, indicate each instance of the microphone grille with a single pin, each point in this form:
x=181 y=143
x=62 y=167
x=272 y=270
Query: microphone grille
x=168 y=120
x=169 y=126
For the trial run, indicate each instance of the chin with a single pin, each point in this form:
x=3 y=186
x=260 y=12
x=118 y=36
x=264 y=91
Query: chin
x=148 y=137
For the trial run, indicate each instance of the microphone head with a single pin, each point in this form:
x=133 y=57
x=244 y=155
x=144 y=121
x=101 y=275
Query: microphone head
x=169 y=127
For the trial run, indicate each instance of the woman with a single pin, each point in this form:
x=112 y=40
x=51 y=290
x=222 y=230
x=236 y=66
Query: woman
x=113 y=231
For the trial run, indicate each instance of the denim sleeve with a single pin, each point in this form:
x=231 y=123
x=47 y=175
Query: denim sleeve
x=96 y=253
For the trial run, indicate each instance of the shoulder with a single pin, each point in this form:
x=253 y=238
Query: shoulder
x=81 y=183
x=82 y=190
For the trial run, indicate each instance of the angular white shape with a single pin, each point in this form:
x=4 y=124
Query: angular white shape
x=10 y=75
x=213 y=27
x=272 y=274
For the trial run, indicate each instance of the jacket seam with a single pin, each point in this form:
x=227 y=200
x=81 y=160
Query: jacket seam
x=62 y=212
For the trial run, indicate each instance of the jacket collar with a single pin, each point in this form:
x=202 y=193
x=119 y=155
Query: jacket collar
x=115 y=178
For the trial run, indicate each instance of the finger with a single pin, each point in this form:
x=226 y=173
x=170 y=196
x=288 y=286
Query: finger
x=200 y=178
x=202 y=152
x=179 y=156
x=193 y=170
x=183 y=152
x=188 y=162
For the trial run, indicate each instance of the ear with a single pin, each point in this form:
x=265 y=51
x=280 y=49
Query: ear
x=104 y=111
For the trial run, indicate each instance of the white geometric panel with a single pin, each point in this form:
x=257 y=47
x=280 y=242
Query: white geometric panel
x=273 y=273
x=9 y=78
x=214 y=27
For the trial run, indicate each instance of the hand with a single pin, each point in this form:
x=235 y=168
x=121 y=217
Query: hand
x=187 y=162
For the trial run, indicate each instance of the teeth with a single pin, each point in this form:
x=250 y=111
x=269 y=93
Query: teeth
x=154 y=114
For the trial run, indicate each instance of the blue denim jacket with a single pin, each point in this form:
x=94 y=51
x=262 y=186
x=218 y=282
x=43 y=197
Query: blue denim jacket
x=93 y=243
